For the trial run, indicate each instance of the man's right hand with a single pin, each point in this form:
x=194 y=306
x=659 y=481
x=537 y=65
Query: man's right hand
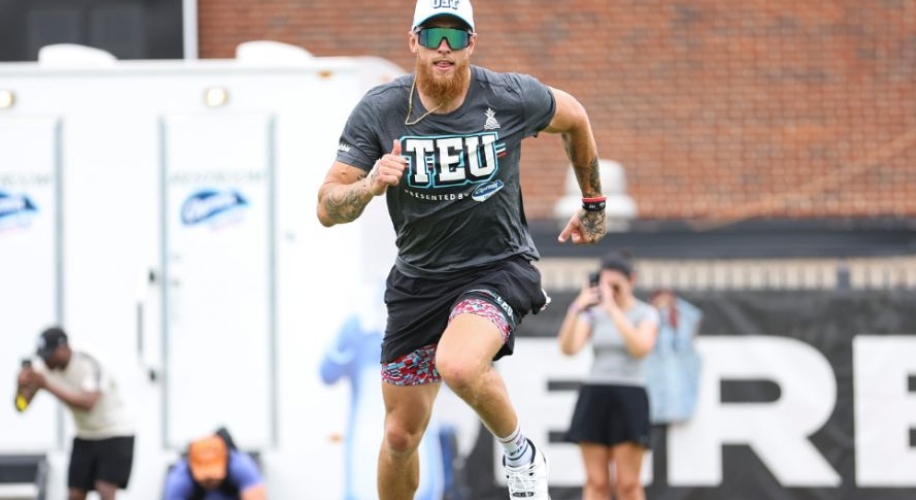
x=24 y=375
x=387 y=171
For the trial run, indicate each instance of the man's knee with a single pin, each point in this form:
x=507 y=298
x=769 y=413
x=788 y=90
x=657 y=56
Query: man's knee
x=458 y=374
x=401 y=439
x=462 y=367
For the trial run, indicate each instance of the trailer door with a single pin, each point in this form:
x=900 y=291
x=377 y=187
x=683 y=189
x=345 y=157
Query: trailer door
x=218 y=276
x=30 y=269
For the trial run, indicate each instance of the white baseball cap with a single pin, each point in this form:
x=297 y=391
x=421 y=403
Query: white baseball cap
x=428 y=9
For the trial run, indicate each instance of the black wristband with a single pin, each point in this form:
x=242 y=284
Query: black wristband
x=596 y=204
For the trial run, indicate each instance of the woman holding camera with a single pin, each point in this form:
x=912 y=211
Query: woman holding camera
x=611 y=419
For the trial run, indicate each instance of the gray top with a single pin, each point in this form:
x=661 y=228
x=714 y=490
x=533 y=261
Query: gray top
x=613 y=363
x=459 y=204
x=108 y=417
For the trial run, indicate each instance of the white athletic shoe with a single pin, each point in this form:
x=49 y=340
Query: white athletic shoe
x=528 y=481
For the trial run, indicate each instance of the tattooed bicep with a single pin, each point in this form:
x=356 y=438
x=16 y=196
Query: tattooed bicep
x=346 y=174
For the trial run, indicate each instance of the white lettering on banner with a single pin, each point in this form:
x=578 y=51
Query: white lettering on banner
x=885 y=410
x=777 y=431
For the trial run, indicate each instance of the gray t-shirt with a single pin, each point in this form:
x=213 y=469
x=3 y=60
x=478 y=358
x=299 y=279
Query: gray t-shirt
x=613 y=363
x=108 y=417
x=459 y=203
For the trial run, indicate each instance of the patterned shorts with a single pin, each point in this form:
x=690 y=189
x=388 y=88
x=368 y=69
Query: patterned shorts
x=419 y=367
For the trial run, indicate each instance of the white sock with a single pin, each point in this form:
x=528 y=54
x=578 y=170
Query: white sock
x=516 y=448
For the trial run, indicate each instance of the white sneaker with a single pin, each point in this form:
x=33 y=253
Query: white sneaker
x=528 y=481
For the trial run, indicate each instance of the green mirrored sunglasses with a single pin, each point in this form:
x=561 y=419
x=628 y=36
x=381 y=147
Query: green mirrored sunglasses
x=456 y=38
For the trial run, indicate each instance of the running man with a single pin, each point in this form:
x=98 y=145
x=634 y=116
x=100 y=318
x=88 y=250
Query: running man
x=443 y=146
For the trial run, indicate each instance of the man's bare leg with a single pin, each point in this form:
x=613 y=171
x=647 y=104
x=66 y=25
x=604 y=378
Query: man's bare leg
x=464 y=359
x=76 y=494
x=106 y=490
x=407 y=413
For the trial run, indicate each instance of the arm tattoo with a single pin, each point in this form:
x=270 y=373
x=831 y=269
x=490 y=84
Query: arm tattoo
x=594 y=175
x=567 y=145
x=587 y=171
x=594 y=224
x=346 y=203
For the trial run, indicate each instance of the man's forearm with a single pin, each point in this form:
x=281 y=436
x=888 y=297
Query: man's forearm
x=81 y=400
x=582 y=153
x=339 y=204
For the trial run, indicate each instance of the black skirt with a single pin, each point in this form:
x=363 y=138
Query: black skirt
x=610 y=415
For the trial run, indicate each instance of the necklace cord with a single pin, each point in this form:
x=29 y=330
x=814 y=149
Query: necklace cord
x=407 y=120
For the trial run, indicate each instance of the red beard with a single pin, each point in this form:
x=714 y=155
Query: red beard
x=440 y=88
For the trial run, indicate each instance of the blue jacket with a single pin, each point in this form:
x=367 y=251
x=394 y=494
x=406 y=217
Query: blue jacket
x=673 y=366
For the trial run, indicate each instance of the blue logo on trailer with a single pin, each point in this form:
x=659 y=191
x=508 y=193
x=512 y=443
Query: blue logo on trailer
x=14 y=208
x=209 y=205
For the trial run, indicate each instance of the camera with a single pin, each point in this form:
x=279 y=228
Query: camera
x=594 y=278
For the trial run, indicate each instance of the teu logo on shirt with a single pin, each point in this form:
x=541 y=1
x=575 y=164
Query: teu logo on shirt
x=450 y=161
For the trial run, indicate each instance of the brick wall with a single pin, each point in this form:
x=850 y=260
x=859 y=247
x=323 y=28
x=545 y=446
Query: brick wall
x=716 y=108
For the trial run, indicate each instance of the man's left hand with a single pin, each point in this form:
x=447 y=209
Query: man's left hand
x=585 y=228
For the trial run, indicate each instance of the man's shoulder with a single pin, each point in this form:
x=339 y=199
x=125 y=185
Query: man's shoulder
x=396 y=89
x=180 y=466
x=178 y=477
x=86 y=360
x=244 y=461
x=244 y=471
x=508 y=80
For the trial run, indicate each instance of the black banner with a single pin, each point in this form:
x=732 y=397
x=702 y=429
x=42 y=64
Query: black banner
x=807 y=395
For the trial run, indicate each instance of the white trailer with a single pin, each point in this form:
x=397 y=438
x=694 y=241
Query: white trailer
x=163 y=212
